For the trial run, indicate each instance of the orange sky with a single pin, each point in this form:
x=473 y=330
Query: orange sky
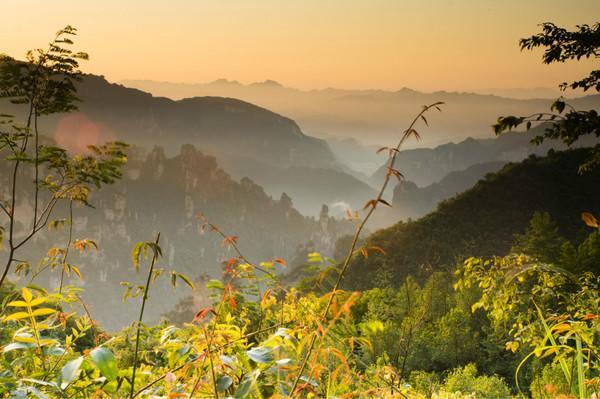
x=387 y=44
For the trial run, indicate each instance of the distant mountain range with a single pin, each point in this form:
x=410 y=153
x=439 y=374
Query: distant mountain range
x=432 y=175
x=425 y=166
x=373 y=117
x=247 y=140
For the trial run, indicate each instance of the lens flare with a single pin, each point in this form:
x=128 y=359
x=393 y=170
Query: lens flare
x=76 y=132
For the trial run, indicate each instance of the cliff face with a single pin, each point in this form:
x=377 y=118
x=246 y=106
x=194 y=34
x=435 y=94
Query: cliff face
x=161 y=193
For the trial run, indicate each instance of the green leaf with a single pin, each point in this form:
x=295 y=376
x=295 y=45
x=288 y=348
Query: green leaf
x=261 y=354
x=104 y=359
x=246 y=385
x=223 y=382
x=55 y=351
x=186 y=280
x=17 y=345
x=215 y=284
x=70 y=371
x=135 y=255
x=558 y=106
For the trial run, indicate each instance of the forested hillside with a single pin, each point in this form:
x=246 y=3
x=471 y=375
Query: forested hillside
x=412 y=201
x=483 y=220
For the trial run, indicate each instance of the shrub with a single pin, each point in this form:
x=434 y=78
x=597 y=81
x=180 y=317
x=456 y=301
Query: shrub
x=550 y=382
x=424 y=383
x=466 y=381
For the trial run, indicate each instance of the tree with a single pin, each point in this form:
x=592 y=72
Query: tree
x=565 y=123
x=45 y=84
x=541 y=239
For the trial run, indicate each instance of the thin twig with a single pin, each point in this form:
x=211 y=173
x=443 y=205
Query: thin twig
x=407 y=133
x=139 y=324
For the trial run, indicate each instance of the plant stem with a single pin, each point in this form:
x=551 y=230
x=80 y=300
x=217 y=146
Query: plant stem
x=139 y=324
x=394 y=153
x=64 y=262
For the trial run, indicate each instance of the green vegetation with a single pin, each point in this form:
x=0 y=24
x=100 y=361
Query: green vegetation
x=519 y=316
x=566 y=123
x=483 y=221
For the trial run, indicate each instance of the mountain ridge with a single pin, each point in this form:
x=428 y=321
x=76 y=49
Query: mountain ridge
x=483 y=220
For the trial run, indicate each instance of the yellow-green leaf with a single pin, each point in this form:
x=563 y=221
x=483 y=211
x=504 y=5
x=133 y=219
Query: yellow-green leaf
x=16 y=316
x=37 y=301
x=135 y=255
x=43 y=311
x=75 y=270
x=17 y=304
x=27 y=295
x=186 y=280
x=22 y=338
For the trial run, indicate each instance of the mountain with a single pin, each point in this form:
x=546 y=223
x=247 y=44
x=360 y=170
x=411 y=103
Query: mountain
x=524 y=93
x=362 y=159
x=483 y=220
x=224 y=127
x=309 y=187
x=164 y=194
x=425 y=166
x=373 y=117
x=247 y=140
x=412 y=201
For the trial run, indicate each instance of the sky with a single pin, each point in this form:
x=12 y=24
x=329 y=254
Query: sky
x=382 y=44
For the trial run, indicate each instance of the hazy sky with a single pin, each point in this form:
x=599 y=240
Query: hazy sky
x=388 y=44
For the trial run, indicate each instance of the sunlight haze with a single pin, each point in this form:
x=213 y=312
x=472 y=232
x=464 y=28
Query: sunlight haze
x=381 y=44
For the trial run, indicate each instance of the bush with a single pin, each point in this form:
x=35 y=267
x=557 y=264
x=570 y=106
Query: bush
x=550 y=382
x=424 y=383
x=466 y=381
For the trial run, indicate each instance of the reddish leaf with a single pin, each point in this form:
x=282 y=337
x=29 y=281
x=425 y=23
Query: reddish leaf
x=229 y=240
x=377 y=249
x=590 y=220
x=395 y=172
x=280 y=261
x=370 y=203
x=232 y=302
x=202 y=313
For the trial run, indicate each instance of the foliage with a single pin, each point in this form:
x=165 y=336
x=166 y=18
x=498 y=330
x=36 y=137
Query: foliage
x=466 y=380
x=259 y=338
x=45 y=85
x=549 y=382
x=565 y=122
x=483 y=220
x=543 y=309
